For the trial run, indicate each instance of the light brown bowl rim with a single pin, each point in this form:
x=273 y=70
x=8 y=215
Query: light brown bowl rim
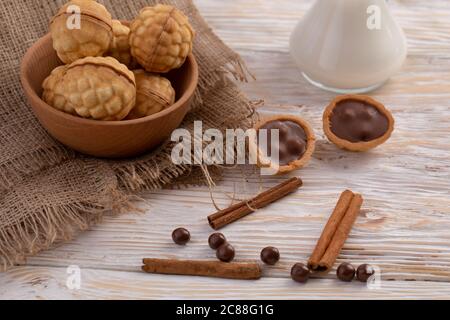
x=178 y=104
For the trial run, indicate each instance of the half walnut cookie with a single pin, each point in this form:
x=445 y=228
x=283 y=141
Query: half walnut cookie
x=357 y=123
x=296 y=143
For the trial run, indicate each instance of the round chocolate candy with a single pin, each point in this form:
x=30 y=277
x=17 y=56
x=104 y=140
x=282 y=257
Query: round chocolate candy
x=216 y=240
x=346 y=272
x=181 y=236
x=270 y=255
x=364 y=272
x=225 y=253
x=300 y=273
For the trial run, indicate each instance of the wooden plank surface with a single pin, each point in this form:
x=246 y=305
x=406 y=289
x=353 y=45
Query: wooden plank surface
x=402 y=229
x=50 y=283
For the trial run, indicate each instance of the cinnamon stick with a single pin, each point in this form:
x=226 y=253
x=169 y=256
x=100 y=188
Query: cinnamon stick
x=225 y=217
x=336 y=231
x=330 y=229
x=241 y=271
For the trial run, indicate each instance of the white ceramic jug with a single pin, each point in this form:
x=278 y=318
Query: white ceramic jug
x=348 y=46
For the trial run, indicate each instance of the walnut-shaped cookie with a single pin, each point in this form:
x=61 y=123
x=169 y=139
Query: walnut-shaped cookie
x=120 y=45
x=357 y=123
x=53 y=93
x=294 y=147
x=81 y=28
x=154 y=93
x=96 y=88
x=161 y=38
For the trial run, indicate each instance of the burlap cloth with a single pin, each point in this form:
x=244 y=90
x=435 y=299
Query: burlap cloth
x=48 y=192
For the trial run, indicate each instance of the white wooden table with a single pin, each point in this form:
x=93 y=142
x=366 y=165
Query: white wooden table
x=403 y=228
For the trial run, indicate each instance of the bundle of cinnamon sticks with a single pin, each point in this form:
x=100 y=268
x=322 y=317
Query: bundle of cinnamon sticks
x=336 y=232
x=224 y=217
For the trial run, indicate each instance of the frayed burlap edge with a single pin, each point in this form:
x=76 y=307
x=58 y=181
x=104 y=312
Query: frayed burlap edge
x=40 y=230
x=51 y=225
x=158 y=171
x=55 y=224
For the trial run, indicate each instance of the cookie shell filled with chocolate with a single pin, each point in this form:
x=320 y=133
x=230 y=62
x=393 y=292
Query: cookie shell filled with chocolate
x=296 y=145
x=357 y=123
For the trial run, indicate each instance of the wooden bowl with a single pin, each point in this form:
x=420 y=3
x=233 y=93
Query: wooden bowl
x=107 y=139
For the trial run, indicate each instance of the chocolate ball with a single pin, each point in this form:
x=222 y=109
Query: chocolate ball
x=225 y=253
x=181 y=236
x=216 y=240
x=270 y=255
x=300 y=273
x=346 y=272
x=364 y=272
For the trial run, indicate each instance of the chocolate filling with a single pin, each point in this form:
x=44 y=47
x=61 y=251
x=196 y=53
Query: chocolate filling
x=358 y=121
x=292 y=144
